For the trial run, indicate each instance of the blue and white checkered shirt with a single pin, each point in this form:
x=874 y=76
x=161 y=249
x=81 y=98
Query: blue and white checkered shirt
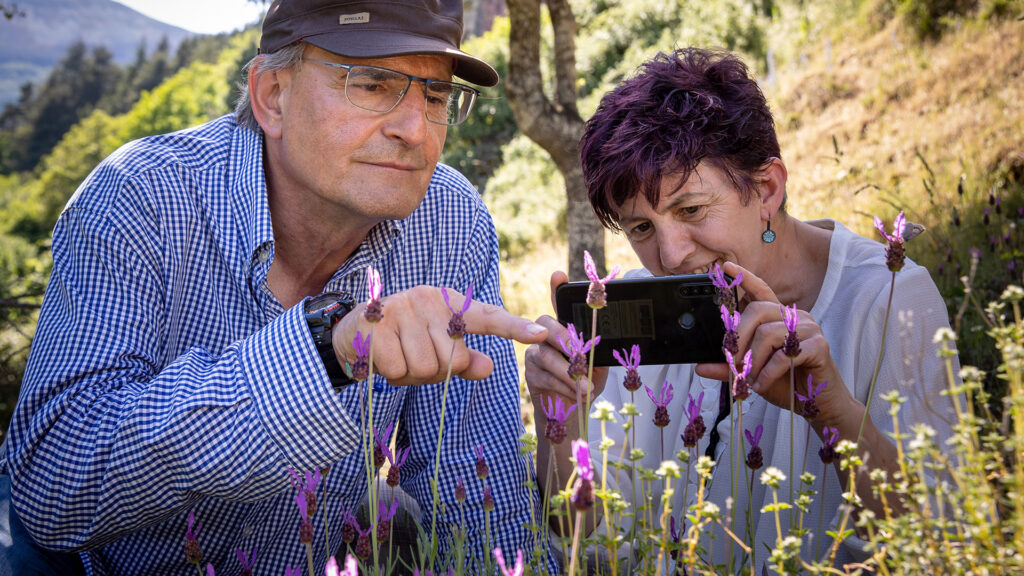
x=165 y=377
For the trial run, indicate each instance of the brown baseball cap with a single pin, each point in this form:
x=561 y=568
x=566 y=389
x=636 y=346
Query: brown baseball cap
x=375 y=29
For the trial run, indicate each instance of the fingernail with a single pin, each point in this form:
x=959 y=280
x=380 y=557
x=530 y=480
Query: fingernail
x=533 y=328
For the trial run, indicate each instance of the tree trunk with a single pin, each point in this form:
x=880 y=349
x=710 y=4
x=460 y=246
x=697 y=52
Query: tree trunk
x=554 y=126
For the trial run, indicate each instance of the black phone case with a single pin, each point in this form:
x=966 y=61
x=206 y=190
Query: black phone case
x=674 y=319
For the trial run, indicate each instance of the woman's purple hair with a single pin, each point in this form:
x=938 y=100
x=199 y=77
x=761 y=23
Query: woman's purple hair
x=691 y=105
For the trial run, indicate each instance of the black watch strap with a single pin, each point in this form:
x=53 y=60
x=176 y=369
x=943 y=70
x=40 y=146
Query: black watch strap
x=322 y=313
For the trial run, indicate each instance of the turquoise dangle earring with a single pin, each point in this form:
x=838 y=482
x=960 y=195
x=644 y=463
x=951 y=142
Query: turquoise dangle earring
x=768 y=236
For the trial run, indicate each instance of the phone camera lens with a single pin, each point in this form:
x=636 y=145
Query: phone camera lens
x=687 y=321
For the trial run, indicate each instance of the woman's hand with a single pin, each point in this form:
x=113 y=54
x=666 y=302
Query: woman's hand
x=547 y=368
x=762 y=330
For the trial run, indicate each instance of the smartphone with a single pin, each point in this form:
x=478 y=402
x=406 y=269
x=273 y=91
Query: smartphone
x=674 y=319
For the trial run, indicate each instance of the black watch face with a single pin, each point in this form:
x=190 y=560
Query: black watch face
x=318 y=303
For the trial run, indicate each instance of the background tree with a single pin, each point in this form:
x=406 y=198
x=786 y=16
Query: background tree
x=556 y=126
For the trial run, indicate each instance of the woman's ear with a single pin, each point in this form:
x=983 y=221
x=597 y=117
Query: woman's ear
x=772 y=186
x=266 y=94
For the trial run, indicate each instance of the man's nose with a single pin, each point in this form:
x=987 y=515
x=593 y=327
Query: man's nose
x=408 y=120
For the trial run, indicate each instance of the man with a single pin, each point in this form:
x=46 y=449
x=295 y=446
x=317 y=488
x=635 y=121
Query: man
x=175 y=369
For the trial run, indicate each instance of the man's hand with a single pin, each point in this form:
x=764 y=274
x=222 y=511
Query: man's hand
x=411 y=343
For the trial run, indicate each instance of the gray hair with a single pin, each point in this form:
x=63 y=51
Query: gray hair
x=282 y=59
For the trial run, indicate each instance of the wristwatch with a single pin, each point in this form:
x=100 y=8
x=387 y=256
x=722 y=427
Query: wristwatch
x=322 y=313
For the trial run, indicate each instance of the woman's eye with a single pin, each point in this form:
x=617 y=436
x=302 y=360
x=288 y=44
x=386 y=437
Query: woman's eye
x=639 y=229
x=690 y=211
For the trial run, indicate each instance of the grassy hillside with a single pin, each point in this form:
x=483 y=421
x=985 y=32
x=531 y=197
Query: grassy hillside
x=873 y=120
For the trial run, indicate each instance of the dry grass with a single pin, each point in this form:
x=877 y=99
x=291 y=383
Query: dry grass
x=890 y=102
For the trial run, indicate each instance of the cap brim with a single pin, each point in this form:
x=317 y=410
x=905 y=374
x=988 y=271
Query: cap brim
x=377 y=44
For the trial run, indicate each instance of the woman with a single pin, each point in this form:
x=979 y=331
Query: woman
x=683 y=159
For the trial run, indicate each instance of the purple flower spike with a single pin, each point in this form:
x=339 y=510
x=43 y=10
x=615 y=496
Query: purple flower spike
x=289 y=571
x=695 y=426
x=731 y=320
x=810 y=409
x=583 y=490
x=481 y=463
x=661 y=418
x=755 y=459
x=488 y=500
x=351 y=567
x=725 y=294
x=364 y=546
x=350 y=528
x=894 y=253
x=457 y=325
x=827 y=453
x=630 y=362
x=306 y=526
x=576 y=348
x=384 y=515
x=380 y=445
x=209 y=570
x=516 y=570
x=791 y=318
x=247 y=562
x=460 y=490
x=192 y=551
x=740 y=386
x=306 y=485
x=374 y=308
x=395 y=472
x=361 y=367
x=676 y=536
x=556 y=414
x=596 y=296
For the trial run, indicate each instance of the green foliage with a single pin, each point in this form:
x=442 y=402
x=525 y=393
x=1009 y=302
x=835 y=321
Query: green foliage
x=526 y=196
x=474 y=147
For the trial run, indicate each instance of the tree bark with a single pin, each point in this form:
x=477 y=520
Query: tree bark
x=554 y=126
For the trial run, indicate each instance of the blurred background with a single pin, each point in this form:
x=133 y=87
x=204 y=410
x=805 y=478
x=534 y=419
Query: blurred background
x=881 y=106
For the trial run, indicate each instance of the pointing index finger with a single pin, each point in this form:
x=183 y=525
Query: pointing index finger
x=488 y=319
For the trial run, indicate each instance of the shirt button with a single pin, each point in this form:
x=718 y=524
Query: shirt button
x=247 y=531
x=264 y=255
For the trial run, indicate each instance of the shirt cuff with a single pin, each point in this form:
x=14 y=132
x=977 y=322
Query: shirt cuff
x=293 y=396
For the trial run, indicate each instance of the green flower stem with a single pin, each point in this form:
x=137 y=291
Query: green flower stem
x=610 y=542
x=309 y=558
x=371 y=475
x=437 y=455
x=575 y=543
x=590 y=379
x=821 y=513
x=792 y=425
x=878 y=363
x=200 y=568
x=323 y=506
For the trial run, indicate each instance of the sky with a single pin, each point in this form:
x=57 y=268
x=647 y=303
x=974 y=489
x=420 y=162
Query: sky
x=202 y=16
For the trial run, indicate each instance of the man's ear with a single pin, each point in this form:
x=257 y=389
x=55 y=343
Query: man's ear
x=266 y=94
x=772 y=186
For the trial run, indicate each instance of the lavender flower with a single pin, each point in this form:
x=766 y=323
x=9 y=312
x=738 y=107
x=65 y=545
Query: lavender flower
x=894 y=254
x=583 y=490
x=289 y=571
x=755 y=459
x=397 y=459
x=307 y=487
x=306 y=526
x=351 y=567
x=695 y=427
x=596 y=296
x=209 y=569
x=380 y=444
x=791 y=318
x=810 y=409
x=556 y=416
x=731 y=320
x=488 y=500
x=246 y=561
x=516 y=570
x=361 y=367
x=576 y=349
x=364 y=545
x=374 y=308
x=676 y=536
x=460 y=490
x=725 y=293
x=481 y=464
x=661 y=418
x=630 y=362
x=192 y=551
x=457 y=325
x=349 y=528
x=740 y=386
x=384 y=515
x=827 y=452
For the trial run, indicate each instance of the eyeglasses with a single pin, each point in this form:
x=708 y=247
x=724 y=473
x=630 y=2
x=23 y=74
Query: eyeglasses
x=381 y=89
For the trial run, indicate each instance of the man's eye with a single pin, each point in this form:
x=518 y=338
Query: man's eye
x=367 y=86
